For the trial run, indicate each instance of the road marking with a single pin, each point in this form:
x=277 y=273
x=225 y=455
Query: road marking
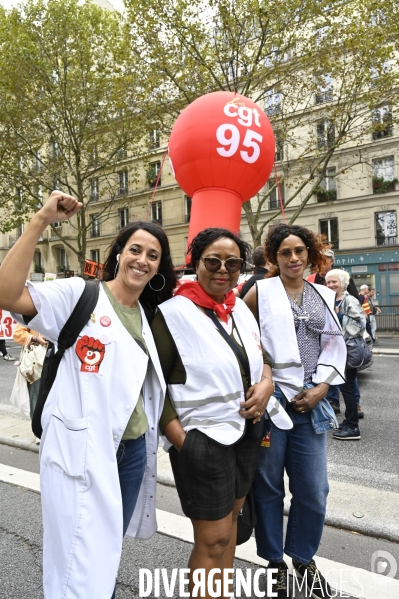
x=353 y=581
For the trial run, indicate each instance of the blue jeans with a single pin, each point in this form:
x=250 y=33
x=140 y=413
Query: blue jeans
x=131 y=459
x=303 y=453
x=333 y=393
x=349 y=394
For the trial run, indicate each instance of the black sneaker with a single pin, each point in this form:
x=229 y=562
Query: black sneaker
x=347 y=434
x=281 y=587
x=316 y=584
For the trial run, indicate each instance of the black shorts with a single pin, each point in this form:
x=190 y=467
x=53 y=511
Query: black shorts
x=210 y=477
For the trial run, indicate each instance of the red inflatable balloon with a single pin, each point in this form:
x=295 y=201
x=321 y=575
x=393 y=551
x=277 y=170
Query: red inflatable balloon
x=221 y=152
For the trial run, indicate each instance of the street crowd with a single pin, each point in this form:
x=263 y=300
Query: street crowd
x=242 y=382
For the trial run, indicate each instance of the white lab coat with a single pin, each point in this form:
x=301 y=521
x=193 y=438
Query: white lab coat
x=83 y=421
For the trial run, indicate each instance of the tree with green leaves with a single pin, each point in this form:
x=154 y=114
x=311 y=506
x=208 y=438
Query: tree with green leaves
x=69 y=110
x=319 y=69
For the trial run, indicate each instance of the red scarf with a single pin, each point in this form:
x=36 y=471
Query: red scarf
x=194 y=292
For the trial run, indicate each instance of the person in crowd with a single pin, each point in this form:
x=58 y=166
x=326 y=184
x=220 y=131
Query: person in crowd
x=218 y=386
x=374 y=310
x=259 y=270
x=319 y=277
x=301 y=334
x=3 y=348
x=364 y=300
x=25 y=337
x=353 y=322
x=100 y=421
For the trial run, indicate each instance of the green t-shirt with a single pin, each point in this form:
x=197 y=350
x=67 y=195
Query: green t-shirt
x=131 y=320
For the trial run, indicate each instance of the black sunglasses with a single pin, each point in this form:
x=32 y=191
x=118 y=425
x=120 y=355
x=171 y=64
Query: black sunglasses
x=214 y=264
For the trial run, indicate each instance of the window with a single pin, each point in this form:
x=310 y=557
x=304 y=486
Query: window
x=95 y=256
x=95 y=225
x=385 y=228
x=325 y=134
x=156 y=212
x=273 y=103
x=382 y=122
x=154 y=139
x=94 y=191
x=384 y=175
x=327 y=190
x=37 y=163
x=93 y=156
x=123 y=217
x=57 y=183
x=19 y=199
x=324 y=91
x=55 y=151
x=152 y=173
x=279 y=155
x=329 y=231
x=62 y=260
x=274 y=201
x=121 y=152
x=123 y=182
x=187 y=202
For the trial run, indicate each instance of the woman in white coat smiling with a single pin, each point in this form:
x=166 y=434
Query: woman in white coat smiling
x=100 y=424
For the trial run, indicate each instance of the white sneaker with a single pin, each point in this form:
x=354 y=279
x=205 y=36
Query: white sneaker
x=8 y=358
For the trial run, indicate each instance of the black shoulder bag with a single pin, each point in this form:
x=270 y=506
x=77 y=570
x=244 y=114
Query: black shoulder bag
x=67 y=337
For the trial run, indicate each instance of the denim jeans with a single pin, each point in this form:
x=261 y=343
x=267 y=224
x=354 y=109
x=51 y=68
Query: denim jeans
x=131 y=460
x=349 y=393
x=303 y=454
x=333 y=393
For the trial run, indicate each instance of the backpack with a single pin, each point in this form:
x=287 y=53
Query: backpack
x=67 y=337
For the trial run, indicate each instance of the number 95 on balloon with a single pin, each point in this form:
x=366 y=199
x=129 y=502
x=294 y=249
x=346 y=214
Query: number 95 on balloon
x=231 y=139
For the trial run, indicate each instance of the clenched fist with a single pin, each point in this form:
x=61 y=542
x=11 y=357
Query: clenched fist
x=91 y=353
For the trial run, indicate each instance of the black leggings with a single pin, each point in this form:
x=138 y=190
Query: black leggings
x=3 y=349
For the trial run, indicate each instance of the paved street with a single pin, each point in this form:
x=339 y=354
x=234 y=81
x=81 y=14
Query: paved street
x=370 y=466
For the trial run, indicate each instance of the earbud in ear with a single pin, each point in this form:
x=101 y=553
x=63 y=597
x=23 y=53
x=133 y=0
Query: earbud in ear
x=117 y=257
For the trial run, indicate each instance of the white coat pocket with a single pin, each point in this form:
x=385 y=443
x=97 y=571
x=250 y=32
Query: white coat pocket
x=65 y=445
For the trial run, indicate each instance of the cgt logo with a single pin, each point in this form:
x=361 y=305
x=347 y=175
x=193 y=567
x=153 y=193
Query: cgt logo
x=384 y=564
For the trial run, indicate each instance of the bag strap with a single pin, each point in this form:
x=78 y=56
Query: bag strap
x=240 y=355
x=79 y=317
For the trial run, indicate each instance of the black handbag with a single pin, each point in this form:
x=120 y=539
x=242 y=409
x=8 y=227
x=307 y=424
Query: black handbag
x=246 y=519
x=358 y=353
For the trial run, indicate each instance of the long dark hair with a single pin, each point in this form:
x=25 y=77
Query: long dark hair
x=148 y=297
x=280 y=232
x=208 y=236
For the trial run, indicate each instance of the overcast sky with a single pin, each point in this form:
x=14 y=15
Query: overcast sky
x=8 y=3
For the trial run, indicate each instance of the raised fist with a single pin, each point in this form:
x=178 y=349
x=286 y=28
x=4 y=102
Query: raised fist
x=91 y=353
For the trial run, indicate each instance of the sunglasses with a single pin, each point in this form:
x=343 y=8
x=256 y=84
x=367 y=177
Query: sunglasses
x=300 y=251
x=214 y=264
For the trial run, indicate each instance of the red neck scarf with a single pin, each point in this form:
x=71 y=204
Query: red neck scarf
x=194 y=292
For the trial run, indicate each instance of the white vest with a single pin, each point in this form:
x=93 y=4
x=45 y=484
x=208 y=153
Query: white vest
x=210 y=398
x=280 y=342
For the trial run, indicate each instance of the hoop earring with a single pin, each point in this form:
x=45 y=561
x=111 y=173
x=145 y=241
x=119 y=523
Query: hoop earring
x=151 y=287
x=116 y=270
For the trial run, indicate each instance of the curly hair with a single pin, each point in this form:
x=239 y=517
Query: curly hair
x=208 y=236
x=280 y=232
x=148 y=297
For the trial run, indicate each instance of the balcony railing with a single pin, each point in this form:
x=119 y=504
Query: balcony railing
x=95 y=232
x=326 y=195
x=387 y=240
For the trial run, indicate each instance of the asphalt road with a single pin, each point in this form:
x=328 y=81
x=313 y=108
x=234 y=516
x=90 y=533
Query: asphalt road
x=371 y=462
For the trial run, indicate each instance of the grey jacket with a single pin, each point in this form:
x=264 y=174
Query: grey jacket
x=354 y=319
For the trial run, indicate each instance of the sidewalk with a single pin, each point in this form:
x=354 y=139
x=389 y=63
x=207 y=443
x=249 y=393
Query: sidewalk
x=376 y=510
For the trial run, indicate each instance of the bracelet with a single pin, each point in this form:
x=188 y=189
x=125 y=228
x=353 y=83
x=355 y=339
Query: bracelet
x=270 y=379
x=34 y=339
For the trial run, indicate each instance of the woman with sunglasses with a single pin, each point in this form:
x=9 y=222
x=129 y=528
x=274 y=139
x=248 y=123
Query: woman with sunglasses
x=302 y=335
x=218 y=388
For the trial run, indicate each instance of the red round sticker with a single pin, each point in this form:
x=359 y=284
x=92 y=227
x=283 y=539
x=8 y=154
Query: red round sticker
x=105 y=321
